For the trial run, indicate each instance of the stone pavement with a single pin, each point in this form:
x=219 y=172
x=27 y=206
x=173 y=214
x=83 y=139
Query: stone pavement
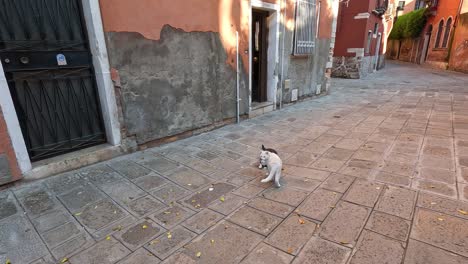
x=376 y=172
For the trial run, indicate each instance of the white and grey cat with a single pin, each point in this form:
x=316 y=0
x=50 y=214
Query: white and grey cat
x=274 y=164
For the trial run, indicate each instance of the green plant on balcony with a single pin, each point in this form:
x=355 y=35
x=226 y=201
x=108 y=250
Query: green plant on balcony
x=409 y=25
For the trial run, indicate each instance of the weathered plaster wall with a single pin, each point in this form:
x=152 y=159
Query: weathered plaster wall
x=148 y=17
x=459 y=53
x=9 y=170
x=178 y=83
x=306 y=73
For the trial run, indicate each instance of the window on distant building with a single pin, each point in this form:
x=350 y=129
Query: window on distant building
x=376 y=28
x=420 y=4
x=439 y=33
x=304 y=36
x=369 y=41
x=448 y=28
x=401 y=5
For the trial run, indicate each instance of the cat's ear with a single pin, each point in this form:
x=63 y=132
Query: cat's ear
x=263 y=147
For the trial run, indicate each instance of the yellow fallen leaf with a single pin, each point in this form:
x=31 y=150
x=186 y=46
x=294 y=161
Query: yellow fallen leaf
x=462 y=212
x=64 y=260
x=8 y=261
x=144 y=226
x=154 y=242
x=167 y=212
x=343 y=243
x=169 y=235
x=189 y=184
x=197 y=206
x=432 y=203
x=378 y=188
x=193 y=201
x=115 y=211
x=212 y=241
x=301 y=221
x=440 y=219
x=117 y=228
x=221 y=199
x=332 y=206
x=290 y=250
x=78 y=214
x=198 y=254
x=108 y=238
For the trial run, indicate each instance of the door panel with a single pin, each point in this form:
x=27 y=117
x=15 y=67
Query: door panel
x=259 y=55
x=46 y=58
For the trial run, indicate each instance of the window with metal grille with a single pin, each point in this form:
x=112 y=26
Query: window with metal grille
x=304 y=35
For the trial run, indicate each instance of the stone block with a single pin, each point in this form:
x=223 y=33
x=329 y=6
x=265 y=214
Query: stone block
x=397 y=201
x=337 y=182
x=422 y=253
x=235 y=242
x=375 y=248
x=129 y=169
x=140 y=256
x=318 y=250
x=143 y=206
x=169 y=242
x=202 y=220
x=285 y=195
x=292 y=234
x=265 y=254
x=255 y=220
x=172 y=216
x=170 y=193
x=344 y=224
x=230 y=204
x=203 y=198
x=104 y=252
x=441 y=230
x=138 y=234
x=150 y=182
x=248 y=191
x=271 y=207
x=364 y=193
x=389 y=225
x=188 y=178
x=319 y=204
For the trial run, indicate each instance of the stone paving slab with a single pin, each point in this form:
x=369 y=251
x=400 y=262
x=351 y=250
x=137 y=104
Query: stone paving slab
x=375 y=172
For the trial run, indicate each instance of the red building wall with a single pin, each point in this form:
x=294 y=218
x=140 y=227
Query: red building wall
x=459 y=51
x=352 y=31
x=445 y=9
x=6 y=150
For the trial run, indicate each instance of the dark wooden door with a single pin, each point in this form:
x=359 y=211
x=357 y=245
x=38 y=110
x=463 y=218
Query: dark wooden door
x=48 y=65
x=259 y=55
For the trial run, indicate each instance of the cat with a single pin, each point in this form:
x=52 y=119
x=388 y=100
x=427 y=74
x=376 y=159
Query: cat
x=269 y=150
x=274 y=164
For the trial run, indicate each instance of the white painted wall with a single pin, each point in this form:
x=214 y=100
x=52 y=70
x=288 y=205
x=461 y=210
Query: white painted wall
x=92 y=16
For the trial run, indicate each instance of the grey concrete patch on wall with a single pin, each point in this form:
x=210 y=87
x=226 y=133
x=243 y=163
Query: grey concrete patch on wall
x=304 y=72
x=355 y=67
x=176 y=84
x=5 y=172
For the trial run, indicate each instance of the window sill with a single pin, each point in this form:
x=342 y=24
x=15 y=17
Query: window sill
x=304 y=56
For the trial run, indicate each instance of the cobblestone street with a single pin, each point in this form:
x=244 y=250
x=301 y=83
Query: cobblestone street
x=374 y=172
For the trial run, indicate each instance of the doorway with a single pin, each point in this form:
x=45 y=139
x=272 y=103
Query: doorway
x=427 y=40
x=259 y=55
x=46 y=58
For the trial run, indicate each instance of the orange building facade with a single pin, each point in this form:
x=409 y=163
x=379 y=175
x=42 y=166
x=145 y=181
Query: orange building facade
x=150 y=72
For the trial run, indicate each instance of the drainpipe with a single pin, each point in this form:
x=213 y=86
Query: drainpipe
x=237 y=78
x=282 y=53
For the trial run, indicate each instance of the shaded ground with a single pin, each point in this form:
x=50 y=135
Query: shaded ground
x=374 y=173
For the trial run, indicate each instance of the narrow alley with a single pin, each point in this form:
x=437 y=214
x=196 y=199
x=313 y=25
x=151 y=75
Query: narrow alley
x=375 y=172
